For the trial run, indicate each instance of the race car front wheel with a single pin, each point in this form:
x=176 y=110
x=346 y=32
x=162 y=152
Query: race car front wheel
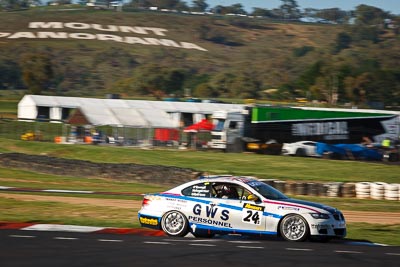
x=174 y=223
x=294 y=228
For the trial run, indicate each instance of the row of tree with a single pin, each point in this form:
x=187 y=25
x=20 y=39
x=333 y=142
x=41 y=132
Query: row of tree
x=289 y=9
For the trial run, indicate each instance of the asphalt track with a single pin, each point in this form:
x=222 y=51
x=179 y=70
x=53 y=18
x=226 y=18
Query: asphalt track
x=41 y=246
x=30 y=244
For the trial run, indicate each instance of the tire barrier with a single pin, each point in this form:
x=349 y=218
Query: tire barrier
x=392 y=192
x=349 y=190
x=301 y=189
x=361 y=190
x=290 y=188
x=334 y=189
x=377 y=190
x=312 y=189
x=280 y=185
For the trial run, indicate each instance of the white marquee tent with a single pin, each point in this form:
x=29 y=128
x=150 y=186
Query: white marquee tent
x=116 y=112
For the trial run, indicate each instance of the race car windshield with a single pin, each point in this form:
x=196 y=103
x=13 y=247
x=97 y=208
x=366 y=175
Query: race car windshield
x=267 y=191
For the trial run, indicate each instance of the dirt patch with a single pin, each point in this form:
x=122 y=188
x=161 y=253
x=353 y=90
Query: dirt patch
x=351 y=216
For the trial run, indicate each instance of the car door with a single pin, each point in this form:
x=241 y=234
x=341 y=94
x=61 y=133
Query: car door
x=243 y=215
x=311 y=148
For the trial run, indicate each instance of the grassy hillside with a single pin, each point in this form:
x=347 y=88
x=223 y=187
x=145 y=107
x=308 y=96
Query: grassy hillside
x=206 y=56
x=264 y=47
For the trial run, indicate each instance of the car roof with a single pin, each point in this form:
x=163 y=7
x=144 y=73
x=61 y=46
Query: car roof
x=228 y=178
x=214 y=178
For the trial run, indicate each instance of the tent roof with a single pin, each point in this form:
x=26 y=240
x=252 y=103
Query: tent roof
x=135 y=113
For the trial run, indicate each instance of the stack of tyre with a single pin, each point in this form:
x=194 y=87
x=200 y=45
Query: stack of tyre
x=334 y=189
x=363 y=190
x=392 y=191
x=378 y=190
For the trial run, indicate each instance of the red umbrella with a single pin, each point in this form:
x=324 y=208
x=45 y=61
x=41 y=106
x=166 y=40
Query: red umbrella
x=202 y=126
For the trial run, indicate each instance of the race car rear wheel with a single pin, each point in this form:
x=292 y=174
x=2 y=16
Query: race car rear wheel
x=300 y=152
x=294 y=228
x=174 y=223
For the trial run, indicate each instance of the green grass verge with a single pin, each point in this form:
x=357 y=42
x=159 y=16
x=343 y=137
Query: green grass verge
x=262 y=166
x=63 y=213
x=27 y=179
x=377 y=233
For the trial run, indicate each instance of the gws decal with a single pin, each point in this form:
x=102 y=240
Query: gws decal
x=210 y=215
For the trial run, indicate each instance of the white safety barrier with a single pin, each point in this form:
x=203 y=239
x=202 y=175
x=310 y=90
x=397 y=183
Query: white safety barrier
x=378 y=190
x=392 y=192
x=363 y=190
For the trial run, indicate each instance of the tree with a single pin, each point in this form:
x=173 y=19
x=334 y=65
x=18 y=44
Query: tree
x=204 y=90
x=199 y=5
x=361 y=88
x=244 y=86
x=10 y=75
x=332 y=14
x=233 y=9
x=343 y=41
x=289 y=9
x=152 y=79
x=369 y=15
x=262 y=12
x=37 y=72
x=14 y=4
x=222 y=82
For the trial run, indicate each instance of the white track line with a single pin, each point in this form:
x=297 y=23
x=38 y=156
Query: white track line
x=245 y=242
x=202 y=245
x=110 y=240
x=63 y=228
x=251 y=247
x=393 y=254
x=348 y=251
x=300 y=249
x=65 y=238
x=159 y=243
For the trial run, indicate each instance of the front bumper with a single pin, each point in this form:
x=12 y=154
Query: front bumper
x=330 y=227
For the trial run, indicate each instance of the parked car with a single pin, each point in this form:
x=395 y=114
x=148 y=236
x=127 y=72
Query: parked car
x=240 y=205
x=301 y=149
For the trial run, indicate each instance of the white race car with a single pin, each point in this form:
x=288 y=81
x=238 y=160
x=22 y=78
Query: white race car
x=301 y=149
x=238 y=205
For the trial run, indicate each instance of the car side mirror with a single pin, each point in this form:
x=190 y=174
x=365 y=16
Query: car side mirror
x=252 y=197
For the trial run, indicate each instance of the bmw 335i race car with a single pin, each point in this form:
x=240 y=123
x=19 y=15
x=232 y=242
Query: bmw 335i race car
x=238 y=205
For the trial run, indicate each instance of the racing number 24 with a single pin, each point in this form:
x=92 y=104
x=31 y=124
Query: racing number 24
x=252 y=217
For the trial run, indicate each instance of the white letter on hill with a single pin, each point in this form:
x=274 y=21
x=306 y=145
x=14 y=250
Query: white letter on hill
x=59 y=35
x=84 y=36
x=77 y=25
x=46 y=25
x=139 y=30
x=4 y=34
x=164 y=42
x=135 y=40
x=109 y=37
x=22 y=35
x=192 y=46
x=156 y=31
x=111 y=28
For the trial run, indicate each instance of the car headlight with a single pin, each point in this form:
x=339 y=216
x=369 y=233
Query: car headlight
x=320 y=215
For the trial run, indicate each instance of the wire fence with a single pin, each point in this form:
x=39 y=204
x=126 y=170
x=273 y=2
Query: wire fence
x=59 y=132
